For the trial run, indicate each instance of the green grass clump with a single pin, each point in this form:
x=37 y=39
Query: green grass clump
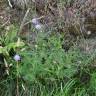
x=46 y=69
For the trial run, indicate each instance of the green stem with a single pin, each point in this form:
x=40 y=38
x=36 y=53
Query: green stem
x=17 y=80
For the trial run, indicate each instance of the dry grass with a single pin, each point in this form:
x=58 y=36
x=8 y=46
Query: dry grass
x=75 y=17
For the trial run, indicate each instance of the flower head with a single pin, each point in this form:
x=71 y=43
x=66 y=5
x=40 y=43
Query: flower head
x=17 y=57
x=35 y=21
x=38 y=26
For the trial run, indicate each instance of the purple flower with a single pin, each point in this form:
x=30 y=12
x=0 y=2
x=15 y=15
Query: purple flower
x=35 y=21
x=16 y=57
x=38 y=26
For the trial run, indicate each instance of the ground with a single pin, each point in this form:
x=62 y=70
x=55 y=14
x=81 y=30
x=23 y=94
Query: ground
x=58 y=60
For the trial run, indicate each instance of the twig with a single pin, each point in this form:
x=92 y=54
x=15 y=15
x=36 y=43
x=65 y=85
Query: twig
x=7 y=67
x=5 y=23
x=10 y=3
x=24 y=19
x=30 y=21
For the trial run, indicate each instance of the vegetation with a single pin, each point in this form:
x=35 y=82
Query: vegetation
x=53 y=63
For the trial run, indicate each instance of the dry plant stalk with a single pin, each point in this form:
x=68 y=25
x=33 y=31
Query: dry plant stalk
x=23 y=22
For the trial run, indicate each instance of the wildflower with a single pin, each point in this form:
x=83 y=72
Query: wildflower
x=38 y=26
x=17 y=57
x=35 y=21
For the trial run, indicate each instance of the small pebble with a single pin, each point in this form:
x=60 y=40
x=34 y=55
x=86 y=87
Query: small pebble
x=17 y=57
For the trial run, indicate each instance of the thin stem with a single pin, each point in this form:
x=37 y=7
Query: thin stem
x=17 y=80
x=23 y=22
